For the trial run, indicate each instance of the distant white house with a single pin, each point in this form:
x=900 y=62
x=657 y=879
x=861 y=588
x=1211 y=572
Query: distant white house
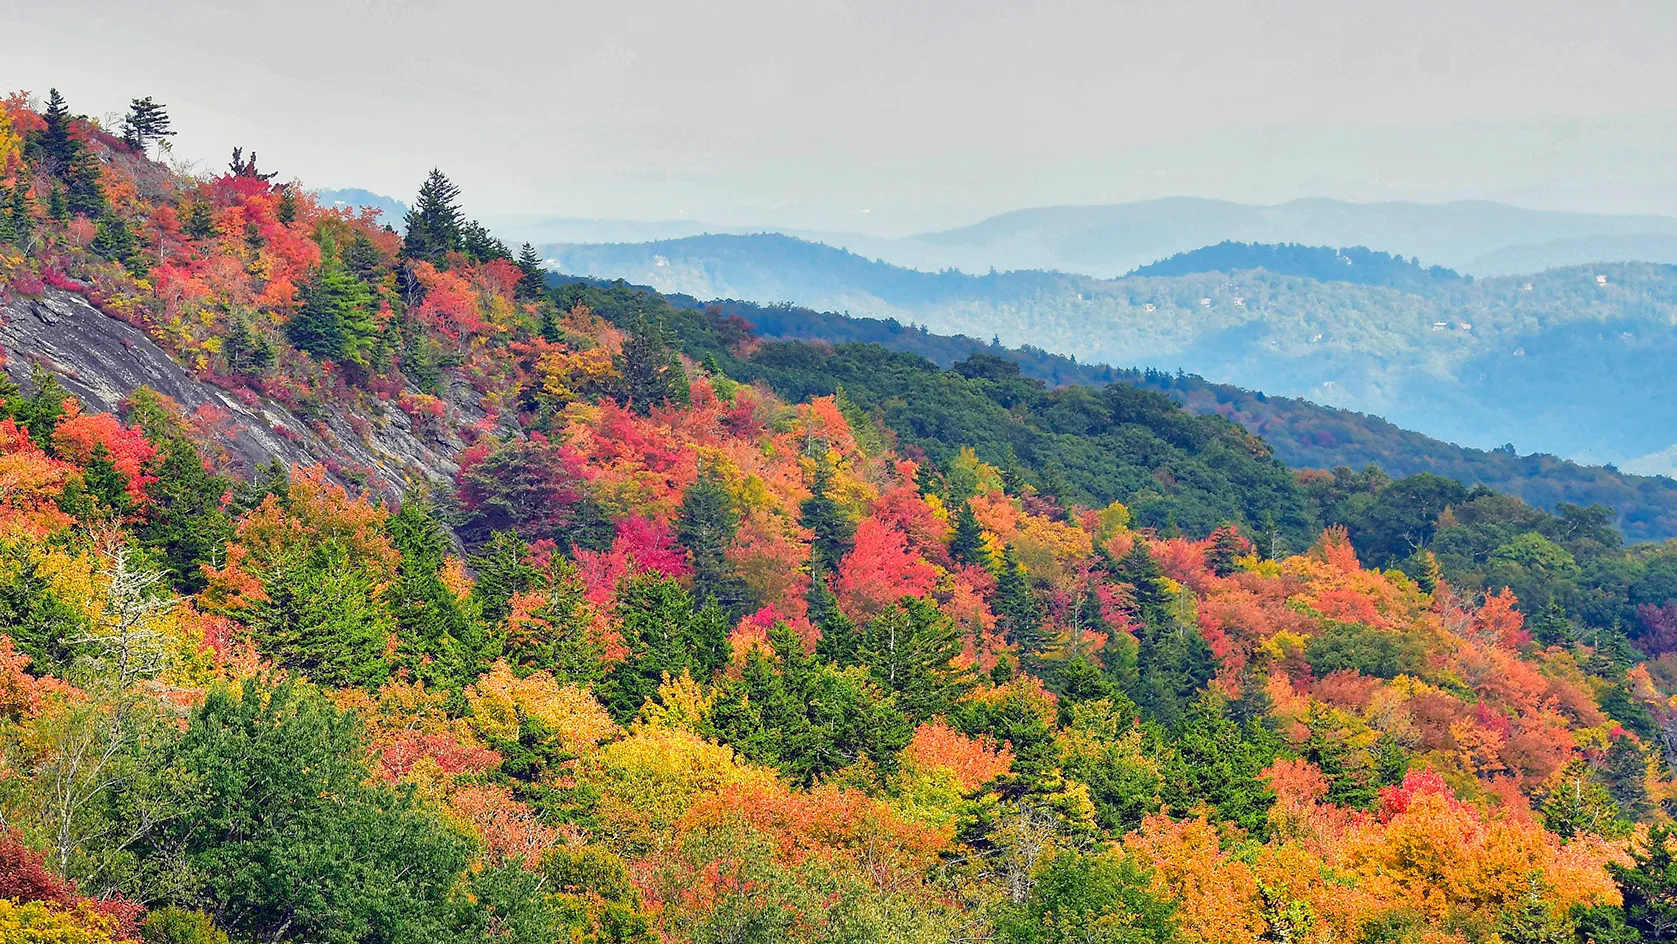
x=1440 y=325
x=1601 y=280
x=1149 y=307
x=1464 y=326
x=1205 y=303
x=1239 y=302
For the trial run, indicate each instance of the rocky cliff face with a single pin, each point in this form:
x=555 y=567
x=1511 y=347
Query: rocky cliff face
x=102 y=361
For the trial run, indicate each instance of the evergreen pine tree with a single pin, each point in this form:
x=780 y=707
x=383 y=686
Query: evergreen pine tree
x=665 y=635
x=568 y=648
x=184 y=524
x=839 y=639
x=84 y=194
x=40 y=411
x=804 y=715
x=1226 y=546
x=1624 y=773
x=441 y=636
x=706 y=526
x=435 y=225
x=550 y=330
x=361 y=258
x=336 y=322
x=824 y=516
x=1532 y=919
x=480 y=246
x=652 y=373
x=1017 y=615
x=910 y=649
x=967 y=544
x=147 y=121
x=58 y=206
x=19 y=217
x=285 y=211
x=534 y=282
x=326 y=617
x=1142 y=573
x=56 y=145
x=1649 y=887
x=238 y=347
x=106 y=484
x=198 y=220
x=501 y=572
x=114 y=241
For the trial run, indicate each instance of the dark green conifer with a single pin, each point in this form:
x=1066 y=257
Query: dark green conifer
x=910 y=649
x=534 y=281
x=706 y=526
x=824 y=516
x=336 y=322
x=652 y=373
x=435 y=225
x=967 y=544
x=1017 y=614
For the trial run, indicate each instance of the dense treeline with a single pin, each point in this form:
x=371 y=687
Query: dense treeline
x=713 y=638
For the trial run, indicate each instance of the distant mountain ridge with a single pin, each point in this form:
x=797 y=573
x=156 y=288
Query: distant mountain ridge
x=1481 y=238
x=1476 y=238
x=1357 y=264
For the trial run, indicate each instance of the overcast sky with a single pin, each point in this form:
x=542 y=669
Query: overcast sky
x=897 y=115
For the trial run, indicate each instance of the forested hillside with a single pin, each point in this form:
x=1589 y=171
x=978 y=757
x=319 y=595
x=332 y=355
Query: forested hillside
x=1568 y=362
x=1303 y=435
x=716 y=638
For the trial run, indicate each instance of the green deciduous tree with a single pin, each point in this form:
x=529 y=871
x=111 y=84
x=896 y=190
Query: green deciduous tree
x=1082 y=898
x=292 y=837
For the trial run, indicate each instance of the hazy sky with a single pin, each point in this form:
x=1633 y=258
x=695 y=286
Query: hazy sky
x=892 y=116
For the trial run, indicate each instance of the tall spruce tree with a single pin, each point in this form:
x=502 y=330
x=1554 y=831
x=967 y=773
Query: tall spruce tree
x=910 y=649
x=534 y=280
x=336 y=322
x=1017 y=614
x=966 y=546
x=805 y=716
x=706 y=526
x=442 y=639
x=823 y=515
x=146 y=122
x=665 y=635
x=502 y=572
x=56 y=144
x=1649 y=886
x=114 y=240
x=652 y=373
x=435 y=225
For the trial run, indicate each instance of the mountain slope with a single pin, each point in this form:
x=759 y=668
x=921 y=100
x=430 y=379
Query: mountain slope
x=714 y=637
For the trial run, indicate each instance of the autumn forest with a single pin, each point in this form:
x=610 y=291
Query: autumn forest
x=699 y=636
